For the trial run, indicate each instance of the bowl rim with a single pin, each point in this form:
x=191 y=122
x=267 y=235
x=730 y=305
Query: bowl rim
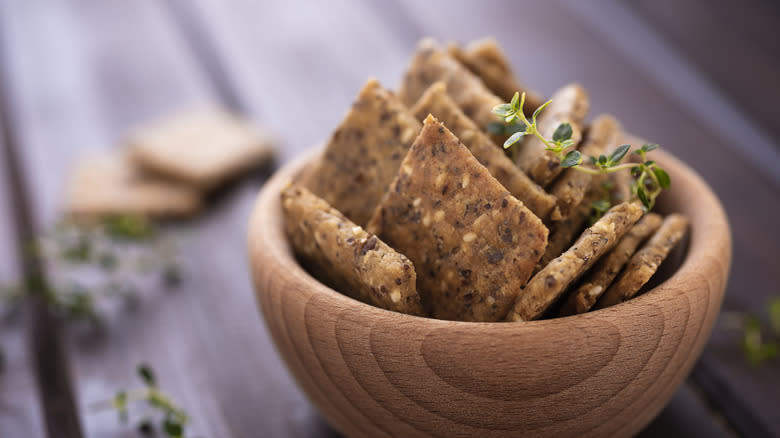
x=709 y=241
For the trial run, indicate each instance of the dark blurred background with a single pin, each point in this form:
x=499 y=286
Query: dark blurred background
x=698 y=77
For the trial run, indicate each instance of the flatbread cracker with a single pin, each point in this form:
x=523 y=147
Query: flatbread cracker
x=569 y=104
x=607 y=268
x=569 y=189
x=474 y=244
x=487 y=60
x=363 y=155
x=563 y=233
x=110 y=185
x=204 y=147
x=435 y=101
x=544 y=289
x=431 y=64
x=355 y=262
x=645 y=262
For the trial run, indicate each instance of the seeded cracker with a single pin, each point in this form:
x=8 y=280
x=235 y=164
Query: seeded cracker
x=569 y=189
x=563 y=233
x=431 y=64
x=474 y=245
x=203 y=147
x=569 y=104
x=435 y=101
x=548 y=284
x=486 y=59
x=605 y=270
x=355 y=262
x=645 y=262
x=109 y=185
x=363 y=155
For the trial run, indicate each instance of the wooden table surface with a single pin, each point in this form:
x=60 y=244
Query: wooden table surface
x=75 y=76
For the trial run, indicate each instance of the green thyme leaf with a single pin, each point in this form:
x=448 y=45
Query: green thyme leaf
x=562 y=132
x=539 y=110
x=503 y=110
x=172 y=427
x=640 y=193
x=774 y=314
x=129 y=227
x=514 y=128
x=513 y=139
x=515 y=103
x=145 y=427
x=572 y=158
x=146 y=374
x=663 y=178
x=647 y=147
x=618 y=153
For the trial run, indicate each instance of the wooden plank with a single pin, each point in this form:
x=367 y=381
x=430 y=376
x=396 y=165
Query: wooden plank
x=696 y=29
x=20 y=414
x=118 y=63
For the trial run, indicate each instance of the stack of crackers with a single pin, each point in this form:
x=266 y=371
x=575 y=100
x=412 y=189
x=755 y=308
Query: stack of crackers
x=413 y=206
x=167 y=167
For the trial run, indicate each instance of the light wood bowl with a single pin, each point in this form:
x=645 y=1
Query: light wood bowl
x=375 y=373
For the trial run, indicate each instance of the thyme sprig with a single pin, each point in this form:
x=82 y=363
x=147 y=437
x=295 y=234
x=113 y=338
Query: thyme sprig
x=650 y=179
x=759 y=343
x=86 y=265
x=159 y=406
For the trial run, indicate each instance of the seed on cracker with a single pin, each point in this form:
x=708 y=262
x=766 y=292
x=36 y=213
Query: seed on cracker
x=473 y=244
x=431 y=64
x=110 y=185
x=570 y=105
x=486 y=59
x=544 y=289
x=435 y=101
x=352 y=260
x=569 y=189
x=607 y=268
x=645 y=262
x=363 y=155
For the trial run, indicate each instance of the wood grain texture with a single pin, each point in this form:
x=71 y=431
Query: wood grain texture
x=19 y=399
x=604 y=373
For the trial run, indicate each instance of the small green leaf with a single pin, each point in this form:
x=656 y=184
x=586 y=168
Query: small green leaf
x=172 y=427
x=503 y=110
x=146 y=374
x=515 y=103
x=618 y=153
x=647 y=147
x=515 y=127
x=663 y=178
x=602 y=160
x=593 y=159
x=562 y=132
x=774 y=314
x=513 y=139
x=496 y=128
x=539 y=110
x=145 y=427
x=120 y=404
x=640 y=193
x=571 y=159
x=636 y=171
x=510 y=118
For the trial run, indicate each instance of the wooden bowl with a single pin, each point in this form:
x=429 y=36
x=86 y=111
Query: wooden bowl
x=373 y=372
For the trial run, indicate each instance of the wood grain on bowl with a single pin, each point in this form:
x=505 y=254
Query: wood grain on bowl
x=372 y=372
